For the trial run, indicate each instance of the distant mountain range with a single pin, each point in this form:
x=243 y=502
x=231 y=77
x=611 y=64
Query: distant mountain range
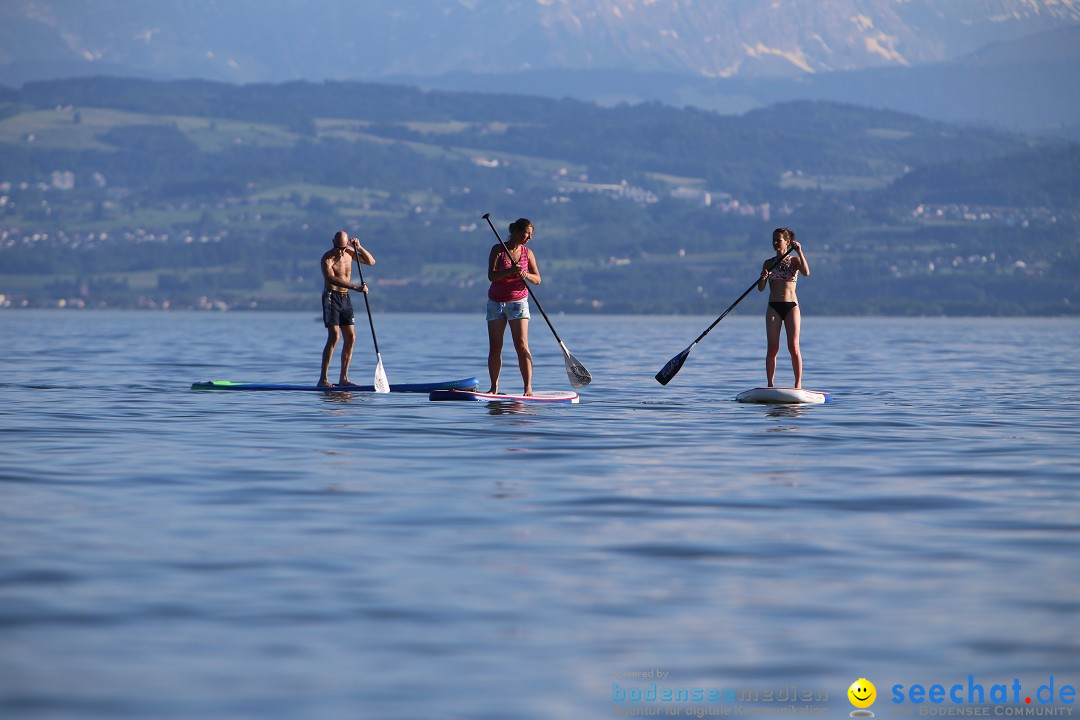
x=1005 y=62
x=256 y=41
x=1025 y=84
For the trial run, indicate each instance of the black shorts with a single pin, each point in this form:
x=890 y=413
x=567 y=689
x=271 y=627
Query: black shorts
x=337 y=309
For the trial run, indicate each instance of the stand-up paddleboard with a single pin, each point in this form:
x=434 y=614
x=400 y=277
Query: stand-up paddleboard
x=778 y=395
x=464 y=384
x=549 y=396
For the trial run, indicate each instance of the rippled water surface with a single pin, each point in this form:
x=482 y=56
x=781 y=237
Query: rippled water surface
x=171 y=553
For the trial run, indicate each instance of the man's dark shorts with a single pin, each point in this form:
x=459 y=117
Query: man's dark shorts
x=336 y=309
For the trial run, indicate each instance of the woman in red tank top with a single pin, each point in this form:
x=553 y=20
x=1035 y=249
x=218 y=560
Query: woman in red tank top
x=508 y=301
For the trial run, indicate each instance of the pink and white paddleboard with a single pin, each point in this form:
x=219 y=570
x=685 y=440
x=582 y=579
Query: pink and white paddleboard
x=544 y=396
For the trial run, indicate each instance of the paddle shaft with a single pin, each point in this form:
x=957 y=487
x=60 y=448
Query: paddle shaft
x=732 y=306
x=367 y=305
x=532 y=294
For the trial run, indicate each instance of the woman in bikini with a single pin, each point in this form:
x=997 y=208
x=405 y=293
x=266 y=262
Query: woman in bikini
x=508 y=301
x=783 y=304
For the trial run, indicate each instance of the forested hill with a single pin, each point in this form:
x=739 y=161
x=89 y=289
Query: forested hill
x=201 y=194
x=750 y=150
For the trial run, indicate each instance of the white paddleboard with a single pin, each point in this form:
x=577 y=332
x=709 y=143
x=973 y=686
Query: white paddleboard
x=779 y=395
x=548 y=396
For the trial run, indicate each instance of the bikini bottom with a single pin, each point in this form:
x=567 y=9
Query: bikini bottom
x=783 y=308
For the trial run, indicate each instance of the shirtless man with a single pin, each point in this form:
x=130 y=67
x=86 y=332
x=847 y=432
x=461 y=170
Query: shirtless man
x=337 y=308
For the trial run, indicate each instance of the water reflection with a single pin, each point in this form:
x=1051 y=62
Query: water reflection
x=509 y=407
x=785 y=411
x=339 y=397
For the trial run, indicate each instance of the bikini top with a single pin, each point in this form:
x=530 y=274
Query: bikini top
x=785 y=270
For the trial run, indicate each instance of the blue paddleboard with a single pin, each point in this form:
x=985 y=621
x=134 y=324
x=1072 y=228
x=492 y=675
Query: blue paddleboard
x=464 y=384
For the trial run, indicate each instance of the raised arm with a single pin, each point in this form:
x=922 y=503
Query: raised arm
x=804 y=266
x=362 y=255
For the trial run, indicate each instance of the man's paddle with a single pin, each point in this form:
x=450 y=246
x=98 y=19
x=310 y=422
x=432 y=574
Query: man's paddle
x=674 y=365
x=382 y=385
x=575 y=371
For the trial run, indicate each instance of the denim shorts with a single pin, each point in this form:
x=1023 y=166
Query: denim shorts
x=513 y=310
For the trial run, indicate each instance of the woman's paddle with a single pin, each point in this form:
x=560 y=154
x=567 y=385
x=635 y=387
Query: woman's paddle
x=575 y=371
x=674 y=365
x=382 y=385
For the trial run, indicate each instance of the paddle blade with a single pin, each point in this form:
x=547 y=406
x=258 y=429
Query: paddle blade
x=674 y=365
x=579 y=376
x=382 y=385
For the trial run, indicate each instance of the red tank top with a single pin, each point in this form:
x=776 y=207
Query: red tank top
x=512 y=288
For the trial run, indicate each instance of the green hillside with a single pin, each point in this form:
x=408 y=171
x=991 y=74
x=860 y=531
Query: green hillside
x=196 y=194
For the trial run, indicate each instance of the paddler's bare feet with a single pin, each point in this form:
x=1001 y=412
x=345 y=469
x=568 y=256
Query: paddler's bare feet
x=323 y=382
x=492 y=391
x=344 y=381
x=528 y=392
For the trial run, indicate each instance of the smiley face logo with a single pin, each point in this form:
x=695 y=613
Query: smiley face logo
x=862 y=693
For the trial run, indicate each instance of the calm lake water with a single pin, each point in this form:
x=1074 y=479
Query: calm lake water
x=166 y=553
